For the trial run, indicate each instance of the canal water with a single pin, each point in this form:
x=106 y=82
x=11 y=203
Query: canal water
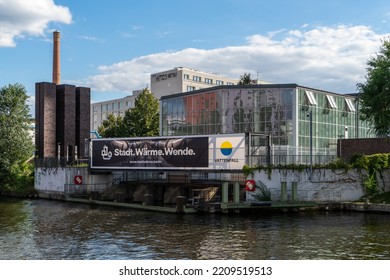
x=45 y=230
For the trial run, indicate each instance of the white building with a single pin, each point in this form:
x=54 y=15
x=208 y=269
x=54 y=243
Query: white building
x=180 y=79
x=117 y=107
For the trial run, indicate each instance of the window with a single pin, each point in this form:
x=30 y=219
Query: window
x=350 y=105
x=186 y=77
x=208 y=81
x=331 y=103
x=219 y=83
x=190 y=88
x=196 y=78
x=230 y=84
x=310 y=98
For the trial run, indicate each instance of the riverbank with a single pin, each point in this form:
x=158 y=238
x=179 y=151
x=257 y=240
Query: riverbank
x=244 y=207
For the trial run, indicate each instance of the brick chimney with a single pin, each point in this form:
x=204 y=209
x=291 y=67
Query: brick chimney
x=56 y=58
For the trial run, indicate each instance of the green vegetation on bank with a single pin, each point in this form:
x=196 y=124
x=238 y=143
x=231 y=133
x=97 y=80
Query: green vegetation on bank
x=379 y=198
x=16 y=145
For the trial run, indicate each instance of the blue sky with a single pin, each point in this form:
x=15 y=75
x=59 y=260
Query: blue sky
x=114 y=46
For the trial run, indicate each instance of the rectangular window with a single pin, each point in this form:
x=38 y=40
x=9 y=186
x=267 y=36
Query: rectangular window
x=186 y=77
x=331 y=103
x=190 y=88
x=196 y=78
x=310 y=98
x=230 y=84
x=350 y=105
x=219 y=83
x=208 y=81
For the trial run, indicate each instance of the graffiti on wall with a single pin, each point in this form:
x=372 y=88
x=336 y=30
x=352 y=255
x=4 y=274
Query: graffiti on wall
x=50 y=179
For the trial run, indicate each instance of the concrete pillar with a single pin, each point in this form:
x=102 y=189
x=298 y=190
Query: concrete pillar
x=225 y=192
x=236 y=192
x=148 y=199
x=294 y=194
x=180 y=204
x=284 y=191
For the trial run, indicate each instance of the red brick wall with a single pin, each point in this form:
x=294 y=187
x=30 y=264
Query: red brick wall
x=362 y=146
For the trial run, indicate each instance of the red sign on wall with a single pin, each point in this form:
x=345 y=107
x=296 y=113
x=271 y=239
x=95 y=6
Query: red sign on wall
x=250 y=185
x=78 y=180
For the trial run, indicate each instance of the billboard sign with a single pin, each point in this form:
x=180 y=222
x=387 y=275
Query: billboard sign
x=172 y=153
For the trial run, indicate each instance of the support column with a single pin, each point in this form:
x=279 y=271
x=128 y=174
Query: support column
x=294 y=194
x=236 y=192
x=225 y=192
x=284 y=191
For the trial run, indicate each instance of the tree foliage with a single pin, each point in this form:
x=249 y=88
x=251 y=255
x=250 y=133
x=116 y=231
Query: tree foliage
x=375 y=92
x=245 y=79
x=16 y=145
x=112 y=127
x=142 y=120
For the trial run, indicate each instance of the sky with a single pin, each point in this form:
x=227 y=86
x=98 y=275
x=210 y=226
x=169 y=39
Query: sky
x=113 y=46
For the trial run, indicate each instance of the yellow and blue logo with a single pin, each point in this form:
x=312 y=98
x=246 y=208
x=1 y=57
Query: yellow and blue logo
x=226 y=148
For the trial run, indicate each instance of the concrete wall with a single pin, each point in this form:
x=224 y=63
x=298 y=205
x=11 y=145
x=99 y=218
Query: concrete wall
x=326 y=185
x=56 y=179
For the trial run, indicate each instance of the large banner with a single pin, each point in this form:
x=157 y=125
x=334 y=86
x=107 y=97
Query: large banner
x=197 y=152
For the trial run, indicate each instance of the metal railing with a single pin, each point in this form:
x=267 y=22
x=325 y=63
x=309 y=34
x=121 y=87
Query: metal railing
x=276 y=160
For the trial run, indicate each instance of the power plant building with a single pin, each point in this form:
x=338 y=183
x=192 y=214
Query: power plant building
x=62 y=115
x=278 y=113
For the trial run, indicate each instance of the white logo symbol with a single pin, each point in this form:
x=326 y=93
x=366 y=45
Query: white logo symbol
x=106 y=154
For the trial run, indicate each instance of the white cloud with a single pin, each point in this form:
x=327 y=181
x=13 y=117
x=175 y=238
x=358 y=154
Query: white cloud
x=19 y=18
x=328 y=58
x=91 y=38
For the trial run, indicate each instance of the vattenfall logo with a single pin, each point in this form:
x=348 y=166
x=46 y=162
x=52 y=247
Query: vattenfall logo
x=226 y=148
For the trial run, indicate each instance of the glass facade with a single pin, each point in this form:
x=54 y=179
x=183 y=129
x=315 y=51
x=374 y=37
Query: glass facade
x=334 y=116
x=276 y=110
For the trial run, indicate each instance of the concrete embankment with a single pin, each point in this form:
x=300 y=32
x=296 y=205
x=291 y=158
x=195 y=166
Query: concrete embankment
x=367 y=207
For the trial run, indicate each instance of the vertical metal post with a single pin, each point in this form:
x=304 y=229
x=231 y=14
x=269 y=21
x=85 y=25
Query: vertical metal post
x=311 y=144
x=58 y=152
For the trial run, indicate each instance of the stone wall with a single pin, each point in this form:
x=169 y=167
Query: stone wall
x=326 y=185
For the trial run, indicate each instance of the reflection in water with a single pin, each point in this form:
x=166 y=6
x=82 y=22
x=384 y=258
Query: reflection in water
x=43 y=229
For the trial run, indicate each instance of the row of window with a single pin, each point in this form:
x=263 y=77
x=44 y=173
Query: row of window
x=209 y=81
x=113 y=106
x=331 y=103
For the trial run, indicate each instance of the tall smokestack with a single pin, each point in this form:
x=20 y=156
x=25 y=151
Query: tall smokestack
x=56 y=58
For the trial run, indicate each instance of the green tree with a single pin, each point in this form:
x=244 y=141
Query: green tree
x=374 y=94
x=16 y=145
x=245 y=79
x=143 y=119
x=112 y=127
